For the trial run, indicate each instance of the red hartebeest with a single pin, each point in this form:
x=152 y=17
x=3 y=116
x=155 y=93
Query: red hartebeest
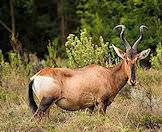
x=87 y=87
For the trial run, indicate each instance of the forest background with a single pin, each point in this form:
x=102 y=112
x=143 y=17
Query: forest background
x=35 y=22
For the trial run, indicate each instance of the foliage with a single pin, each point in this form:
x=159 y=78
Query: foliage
x=100 y=16
x=156 y=61
x=124 y=114
x=1 y=57
x=14 y=73
x=44 y=21
x=51 y=58
x=82 y=51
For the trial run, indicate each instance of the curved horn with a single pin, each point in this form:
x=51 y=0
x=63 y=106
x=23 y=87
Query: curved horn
x=127 y=46
x=140 y=37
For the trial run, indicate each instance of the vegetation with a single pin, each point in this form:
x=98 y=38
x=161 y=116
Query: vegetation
x=134 y=109
x=34 y=23
x=125 y=114
x=156 y=61
x=82 y=51
x=75 y=33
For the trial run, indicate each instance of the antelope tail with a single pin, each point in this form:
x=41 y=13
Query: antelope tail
x=32 y=104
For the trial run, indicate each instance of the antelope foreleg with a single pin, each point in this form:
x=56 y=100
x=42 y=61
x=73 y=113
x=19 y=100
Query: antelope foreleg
x=102 y=108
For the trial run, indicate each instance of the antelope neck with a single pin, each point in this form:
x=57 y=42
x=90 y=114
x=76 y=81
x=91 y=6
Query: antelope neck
x=120 y=75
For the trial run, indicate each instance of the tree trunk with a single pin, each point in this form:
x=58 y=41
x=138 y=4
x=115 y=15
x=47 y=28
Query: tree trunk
x=15 y=43
x=61 y=16
x=12 y=11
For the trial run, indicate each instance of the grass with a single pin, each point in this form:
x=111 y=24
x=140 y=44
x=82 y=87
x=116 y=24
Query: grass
x=125 y=114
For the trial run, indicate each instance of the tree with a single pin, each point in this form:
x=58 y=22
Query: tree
x=15 y=43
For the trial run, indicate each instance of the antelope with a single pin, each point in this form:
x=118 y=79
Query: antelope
x=87 y=87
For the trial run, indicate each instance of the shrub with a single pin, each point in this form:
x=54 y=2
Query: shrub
x=82 y=51
x=51 y=58
x=1 y=57
x=156 y=61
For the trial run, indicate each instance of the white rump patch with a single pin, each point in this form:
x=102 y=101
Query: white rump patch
x=42 y=84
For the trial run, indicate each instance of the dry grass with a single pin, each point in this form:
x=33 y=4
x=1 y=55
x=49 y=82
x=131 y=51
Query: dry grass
x=126 y=113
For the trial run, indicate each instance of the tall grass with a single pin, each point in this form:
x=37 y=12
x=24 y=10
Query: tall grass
x=133 y=113
x=136 y=108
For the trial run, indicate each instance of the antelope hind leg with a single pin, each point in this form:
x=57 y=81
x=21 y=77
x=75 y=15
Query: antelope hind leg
x=43 y=107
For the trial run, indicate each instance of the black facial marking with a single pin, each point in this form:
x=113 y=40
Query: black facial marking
x=133 y=76
x=132 y=53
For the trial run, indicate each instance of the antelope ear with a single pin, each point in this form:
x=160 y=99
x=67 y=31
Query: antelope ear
x=144 y=54
x=119 y=52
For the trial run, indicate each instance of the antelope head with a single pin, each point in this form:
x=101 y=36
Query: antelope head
x=131 y=56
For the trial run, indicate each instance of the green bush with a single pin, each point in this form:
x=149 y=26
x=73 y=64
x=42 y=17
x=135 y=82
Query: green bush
x=82 y=51
x=1 y=57
x=156 y=61
x=51 y=58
